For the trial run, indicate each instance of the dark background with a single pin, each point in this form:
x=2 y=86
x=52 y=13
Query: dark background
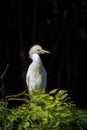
x=59 y=26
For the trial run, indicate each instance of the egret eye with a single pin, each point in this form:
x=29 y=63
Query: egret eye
x=38 y=50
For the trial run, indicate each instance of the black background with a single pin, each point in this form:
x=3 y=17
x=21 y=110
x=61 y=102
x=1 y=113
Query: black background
x=59 y=26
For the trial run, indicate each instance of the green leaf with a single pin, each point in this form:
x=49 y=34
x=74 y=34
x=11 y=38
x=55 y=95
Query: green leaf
x=53 y=91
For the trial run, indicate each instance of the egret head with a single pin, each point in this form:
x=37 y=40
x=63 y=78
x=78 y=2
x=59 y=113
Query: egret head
x=37 y=49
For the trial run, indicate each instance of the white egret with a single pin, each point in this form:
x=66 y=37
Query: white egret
x=36 y=77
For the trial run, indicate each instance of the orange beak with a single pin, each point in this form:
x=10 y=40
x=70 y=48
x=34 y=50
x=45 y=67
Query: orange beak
x=44 y=51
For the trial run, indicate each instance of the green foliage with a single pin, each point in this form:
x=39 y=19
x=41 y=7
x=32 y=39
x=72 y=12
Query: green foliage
x=44 y=112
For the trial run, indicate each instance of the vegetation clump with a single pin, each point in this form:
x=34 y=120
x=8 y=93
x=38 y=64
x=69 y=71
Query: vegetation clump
x=44 y=111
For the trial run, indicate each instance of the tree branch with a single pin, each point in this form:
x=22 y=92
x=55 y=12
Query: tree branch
x=18 y=99
x=15 y=96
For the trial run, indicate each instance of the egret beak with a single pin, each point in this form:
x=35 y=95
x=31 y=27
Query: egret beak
x=44 y=51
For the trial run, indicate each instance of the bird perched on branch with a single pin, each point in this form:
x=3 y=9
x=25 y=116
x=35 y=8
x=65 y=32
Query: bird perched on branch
x=36 y=77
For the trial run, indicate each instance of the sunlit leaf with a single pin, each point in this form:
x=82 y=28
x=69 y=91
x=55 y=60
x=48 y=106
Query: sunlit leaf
x=53 y=91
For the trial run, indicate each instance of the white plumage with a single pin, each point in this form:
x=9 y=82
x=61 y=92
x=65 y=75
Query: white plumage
x=36 y=77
